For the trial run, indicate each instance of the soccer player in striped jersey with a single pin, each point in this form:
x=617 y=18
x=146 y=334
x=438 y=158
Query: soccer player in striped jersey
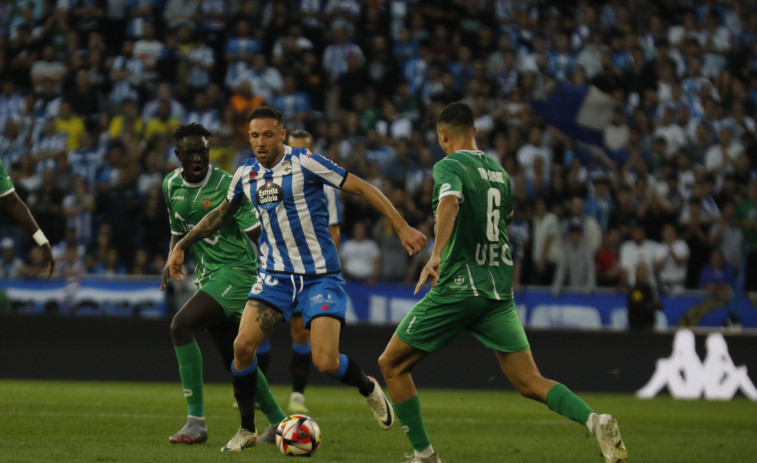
x=225 y=268
x=300 y=266
x=301 y=350
x=19 y=211
x=471 y=274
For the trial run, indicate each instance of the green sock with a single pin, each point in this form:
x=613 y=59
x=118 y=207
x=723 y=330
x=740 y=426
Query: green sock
x=562 y=400
x=268 y=404
x=190 y=370
x=409 y=414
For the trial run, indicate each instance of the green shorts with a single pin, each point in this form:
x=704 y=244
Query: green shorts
x=230 y=287
x=435 y=321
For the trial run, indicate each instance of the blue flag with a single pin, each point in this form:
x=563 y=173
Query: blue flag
x=580 y=111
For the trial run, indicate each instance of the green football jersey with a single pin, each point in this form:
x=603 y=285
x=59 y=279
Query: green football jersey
x=477 y=260
x=188 y=203
x=6 y=184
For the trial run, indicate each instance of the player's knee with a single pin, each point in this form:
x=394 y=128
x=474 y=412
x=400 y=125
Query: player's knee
x=181 y=333
x=244 y=348
x=325 y=363
x=386 y=365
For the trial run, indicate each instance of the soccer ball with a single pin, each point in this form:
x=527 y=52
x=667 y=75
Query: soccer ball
x=298 y=436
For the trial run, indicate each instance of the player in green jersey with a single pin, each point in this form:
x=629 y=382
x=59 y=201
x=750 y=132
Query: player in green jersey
x=19 y=211
x=471 y=272
x=225 y=270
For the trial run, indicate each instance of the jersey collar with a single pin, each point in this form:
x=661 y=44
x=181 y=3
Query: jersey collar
x=199 y=184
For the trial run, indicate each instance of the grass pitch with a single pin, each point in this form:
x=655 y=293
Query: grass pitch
x=60 y=421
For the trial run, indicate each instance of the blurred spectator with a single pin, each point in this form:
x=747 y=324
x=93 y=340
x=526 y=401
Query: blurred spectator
x=726 y=236
x=85 y=99
x=393 y=256
x=159 y=128
x=293 y=104
x=48 y=69
x=607 y=260
x=148 y=49
x=201 y=113
x=519 y=233
x=576 y=262
x=336 y=54
x=599 y=204
x=79 y=207
x=11 y=263
x=178 y=12
x=746 y=218
x=545 y=243
x=110 y=265
x=70 y=265
x=637 y=251
x=200 y=64
x=69 y=124
x=592 y=233
x=671 y=261
x=393 y=126
x=361 y=256
x=643 y=301
x=719 y=158
x=35 y=266
x=126 y=72
x=46 y=205
x=694 y=231
x=265 y=80
x=718 y=279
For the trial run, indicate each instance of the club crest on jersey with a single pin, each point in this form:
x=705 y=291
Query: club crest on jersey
x=287 y=166
x=207 y=202
x=269 y=195
x=257 y=288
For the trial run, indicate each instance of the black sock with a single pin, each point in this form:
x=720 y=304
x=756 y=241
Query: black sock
x=354 y=376
x=300 y=367
x=245 y=385
x=263 y=361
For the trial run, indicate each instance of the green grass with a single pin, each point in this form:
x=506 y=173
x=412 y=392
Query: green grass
x=59 y=421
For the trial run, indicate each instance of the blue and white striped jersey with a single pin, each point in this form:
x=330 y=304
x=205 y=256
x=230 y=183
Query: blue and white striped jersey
x=293 y=210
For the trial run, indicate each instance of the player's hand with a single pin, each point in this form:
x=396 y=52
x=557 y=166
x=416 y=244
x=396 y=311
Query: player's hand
x=166 y=277
x=413 y=240
x=47 y=256
x=174 y=264
x=432 y=268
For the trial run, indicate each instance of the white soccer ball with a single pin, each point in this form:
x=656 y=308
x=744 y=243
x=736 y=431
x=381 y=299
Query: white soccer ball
x=298 y=436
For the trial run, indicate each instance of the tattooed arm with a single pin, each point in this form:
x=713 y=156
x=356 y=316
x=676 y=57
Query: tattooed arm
x=210 y=224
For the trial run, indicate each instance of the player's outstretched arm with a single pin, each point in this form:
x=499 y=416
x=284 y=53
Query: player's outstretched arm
x=209 y=224
x=446 y=213
x=23 y=216
x=412 y=239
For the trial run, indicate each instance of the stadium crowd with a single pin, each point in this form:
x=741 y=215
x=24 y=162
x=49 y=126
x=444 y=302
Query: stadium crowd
x=92 y=91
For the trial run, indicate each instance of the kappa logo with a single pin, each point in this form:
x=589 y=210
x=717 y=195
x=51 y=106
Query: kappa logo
x=253 y=174
x=324 y=307
x=687 y=377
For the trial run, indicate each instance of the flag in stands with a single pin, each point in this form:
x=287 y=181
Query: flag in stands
x=580 y=111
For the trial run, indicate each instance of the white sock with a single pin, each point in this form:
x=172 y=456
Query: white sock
x=427 y=452
x=590 y=422
x=298 y=397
